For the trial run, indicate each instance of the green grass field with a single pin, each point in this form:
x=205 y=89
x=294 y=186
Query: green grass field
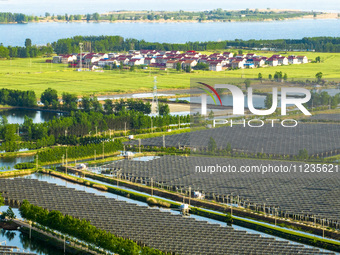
x=35 y=74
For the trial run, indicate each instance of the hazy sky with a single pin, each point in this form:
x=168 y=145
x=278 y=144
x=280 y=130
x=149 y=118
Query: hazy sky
x=39 y=7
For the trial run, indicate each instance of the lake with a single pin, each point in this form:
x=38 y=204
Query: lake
x=177 y=32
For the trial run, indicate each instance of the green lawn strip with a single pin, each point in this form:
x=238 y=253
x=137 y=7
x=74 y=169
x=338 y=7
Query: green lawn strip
x=15 y=173
x=37 y=75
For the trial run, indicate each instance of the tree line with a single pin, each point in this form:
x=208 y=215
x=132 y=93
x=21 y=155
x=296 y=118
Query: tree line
x=119 y=44
x=130 y=116
x=7 y=17
x=80 y=151
x=18 y=97
x=83 y=230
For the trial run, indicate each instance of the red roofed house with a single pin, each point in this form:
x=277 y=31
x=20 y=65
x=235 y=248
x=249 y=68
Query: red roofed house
x=215 y=66
x=228 y=54
x=292 y=60
x=190 y=63
x=172 y=64
x=302 y=59
x=149 y=61
x=65 y=59
x=275 y=56
x=123 y=59
x=238 y=63
x=136 y=61
x=282 y=61
x=272 y=61
x=259 y=62
x=250 y=55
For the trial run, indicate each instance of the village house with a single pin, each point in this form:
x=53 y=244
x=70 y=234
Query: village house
x=190 y=63
x=123 y=59
x=161 y=59
x=259 y=62
x=238 y=63
x=249 y=63
x=172 y=64
x=170 y=59
x=302 y=59
x=250 y=55
x=136 y=61
x=228 y=54
x=56 y=59
x=65 y=59
x=215 y=66
x=272 y=61
x=293 y=60
x=240 y=56
x=282 y=61
x=149 y=61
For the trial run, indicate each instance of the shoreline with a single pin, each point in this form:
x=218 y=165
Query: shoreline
x=318 y=17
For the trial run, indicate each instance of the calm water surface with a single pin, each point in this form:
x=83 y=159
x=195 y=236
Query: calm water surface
x=43 y=33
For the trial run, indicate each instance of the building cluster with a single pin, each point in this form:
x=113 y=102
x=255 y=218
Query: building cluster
x=175 y=59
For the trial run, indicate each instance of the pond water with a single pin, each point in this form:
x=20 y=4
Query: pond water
x=7 y=164
x=23 y=242
x=17 y=116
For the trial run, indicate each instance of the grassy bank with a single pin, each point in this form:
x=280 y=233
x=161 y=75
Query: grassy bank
x=15 y=173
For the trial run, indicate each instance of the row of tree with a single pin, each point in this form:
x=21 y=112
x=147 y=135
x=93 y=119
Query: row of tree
x=81 y=151
x=83 y=230
x=7 y=17
x=18 y=98
x=118 y=43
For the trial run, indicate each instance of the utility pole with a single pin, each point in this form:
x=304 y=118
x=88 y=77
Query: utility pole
x=155 y=97
x=164 y=141
x=151 y=126
x=66 y=160
x=37 y=164
x=103 y=150
x=81 y=56
x=139 y=142
x=151 y=186
x=189 y=194
x=323 y=229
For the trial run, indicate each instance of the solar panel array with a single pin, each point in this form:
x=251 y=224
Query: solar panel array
x=313 y=194
x=315 y=138
x=152 y=227
x=326 y=117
